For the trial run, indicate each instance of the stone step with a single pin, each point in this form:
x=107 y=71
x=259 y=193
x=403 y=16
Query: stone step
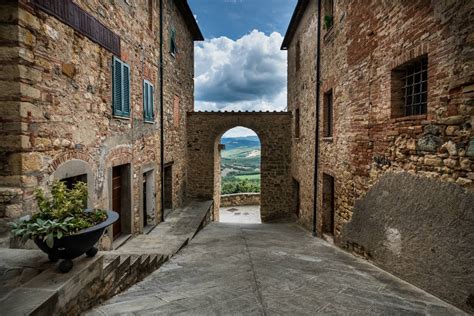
x=124 y=265
x=111 y=262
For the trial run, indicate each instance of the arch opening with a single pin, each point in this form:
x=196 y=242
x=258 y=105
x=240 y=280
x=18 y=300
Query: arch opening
x=238 y=176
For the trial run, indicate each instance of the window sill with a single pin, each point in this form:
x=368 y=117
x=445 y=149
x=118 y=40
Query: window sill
x=410 y=118
x=327 y=139
x=149 y=122
x=126 y=118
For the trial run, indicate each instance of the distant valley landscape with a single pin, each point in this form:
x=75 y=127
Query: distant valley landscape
x=240 y=165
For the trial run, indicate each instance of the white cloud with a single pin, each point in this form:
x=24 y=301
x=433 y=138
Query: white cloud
x=239 y=131
x=248 y=74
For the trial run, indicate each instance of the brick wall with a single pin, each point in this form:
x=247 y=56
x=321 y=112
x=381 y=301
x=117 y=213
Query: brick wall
x=370 y=141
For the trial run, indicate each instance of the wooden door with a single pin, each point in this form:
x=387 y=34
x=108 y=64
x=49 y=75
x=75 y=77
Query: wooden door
x=328 y=204
x=145 y=205
x=117 y=199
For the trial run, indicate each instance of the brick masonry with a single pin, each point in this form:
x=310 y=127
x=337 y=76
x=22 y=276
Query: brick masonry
x=369 y=142
x=56 y=103
x=205 y=130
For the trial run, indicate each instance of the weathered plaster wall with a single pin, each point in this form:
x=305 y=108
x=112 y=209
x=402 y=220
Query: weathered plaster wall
x=426 y=236
x=205 y=130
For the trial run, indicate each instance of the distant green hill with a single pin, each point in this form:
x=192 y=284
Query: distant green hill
x=240 y=165
x=237 y=142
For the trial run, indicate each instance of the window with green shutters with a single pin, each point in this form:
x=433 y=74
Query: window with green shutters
x=120 y=88
x=148 y=101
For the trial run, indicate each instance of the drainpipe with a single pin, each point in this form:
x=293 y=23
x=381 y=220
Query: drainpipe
x=162 y=121
x=316 y=145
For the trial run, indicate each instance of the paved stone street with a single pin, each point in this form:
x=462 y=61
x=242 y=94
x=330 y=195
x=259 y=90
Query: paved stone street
x=247 y=214
x=269 y=269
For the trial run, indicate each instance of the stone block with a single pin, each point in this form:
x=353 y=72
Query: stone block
x=68 y=69
x=452 y=120
x=451 y=148
x=470 y=149
x=429 y=143
x=433 y=161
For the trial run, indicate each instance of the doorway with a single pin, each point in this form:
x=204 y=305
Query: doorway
x=168 y=191
x=328 y=204
x=238 y=175
x=148 y=199
x=121 y=199
x=296 y=197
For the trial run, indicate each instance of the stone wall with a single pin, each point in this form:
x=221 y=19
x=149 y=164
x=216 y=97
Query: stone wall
x=56 y=102
x=178 y=97
x=302 y=97
x=239 y=199
x=358 y=56
x=205 y=130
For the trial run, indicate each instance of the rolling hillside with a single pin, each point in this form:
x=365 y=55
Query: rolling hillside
x=240 y=165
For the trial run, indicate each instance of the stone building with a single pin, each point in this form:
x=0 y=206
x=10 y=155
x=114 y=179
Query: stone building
x=80 y=96
x=395 y=140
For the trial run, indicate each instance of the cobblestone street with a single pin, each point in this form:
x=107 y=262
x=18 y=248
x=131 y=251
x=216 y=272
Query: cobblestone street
x=269 y=269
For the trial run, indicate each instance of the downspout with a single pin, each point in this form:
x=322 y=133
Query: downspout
x=162 y=121
x=316 y=145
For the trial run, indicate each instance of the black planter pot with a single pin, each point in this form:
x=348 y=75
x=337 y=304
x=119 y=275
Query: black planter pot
x=73 y=246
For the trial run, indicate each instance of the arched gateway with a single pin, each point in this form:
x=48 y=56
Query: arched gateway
x=274 y=130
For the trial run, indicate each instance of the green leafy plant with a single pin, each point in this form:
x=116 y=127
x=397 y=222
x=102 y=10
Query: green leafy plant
x=60 y=215
x=328 y=21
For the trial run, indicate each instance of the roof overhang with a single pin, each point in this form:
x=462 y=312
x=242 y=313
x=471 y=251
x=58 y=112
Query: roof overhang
x=188 y=16
x=294 y=22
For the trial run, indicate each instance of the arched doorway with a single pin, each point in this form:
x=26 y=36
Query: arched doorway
x=204 y=132
x=239 y=176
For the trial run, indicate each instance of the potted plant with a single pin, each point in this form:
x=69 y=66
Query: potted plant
x=328 y=21
x=63 y=228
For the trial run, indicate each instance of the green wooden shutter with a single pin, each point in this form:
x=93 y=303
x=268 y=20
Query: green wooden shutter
x=126 y=89
x=151 y=105
x=117 y=86
x=147 y=101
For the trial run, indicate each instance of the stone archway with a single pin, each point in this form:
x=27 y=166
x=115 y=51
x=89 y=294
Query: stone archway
x=204 y=132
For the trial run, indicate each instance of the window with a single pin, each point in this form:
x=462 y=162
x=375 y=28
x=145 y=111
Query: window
x=150 y=14
x=328 y=114
x=173 y=47
x=410 y=88
x=297 y=123
x=176 y=116
x=120 y=88
x=71 y=181
x=328 y=14
x=298 y=56
x=148 y=103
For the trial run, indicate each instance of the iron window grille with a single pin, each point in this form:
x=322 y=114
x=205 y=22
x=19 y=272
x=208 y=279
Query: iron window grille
x=416 y=88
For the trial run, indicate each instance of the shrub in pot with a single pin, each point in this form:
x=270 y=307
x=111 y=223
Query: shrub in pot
x=63 y=227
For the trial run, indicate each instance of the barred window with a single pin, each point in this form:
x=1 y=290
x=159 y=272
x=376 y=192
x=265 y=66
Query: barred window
x=410 y=88
x=416 y=86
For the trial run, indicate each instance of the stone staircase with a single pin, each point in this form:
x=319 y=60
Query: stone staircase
x=94 y=280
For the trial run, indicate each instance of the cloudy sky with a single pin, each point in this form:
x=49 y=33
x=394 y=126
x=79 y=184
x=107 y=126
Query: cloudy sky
x=240 y=65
